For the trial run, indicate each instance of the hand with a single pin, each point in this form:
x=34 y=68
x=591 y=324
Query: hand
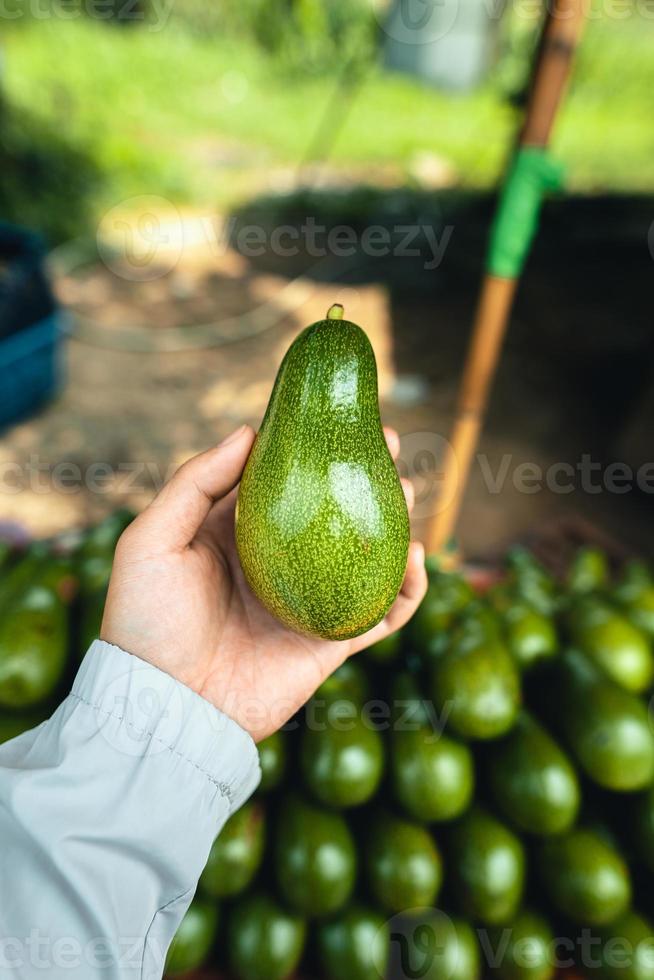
x=178 y=599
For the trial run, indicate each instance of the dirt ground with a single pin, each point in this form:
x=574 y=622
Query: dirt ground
x=159 y=368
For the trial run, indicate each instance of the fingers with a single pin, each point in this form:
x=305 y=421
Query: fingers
x=409 y=493
x=410 y=597
x=176 y=514
x=392 y=441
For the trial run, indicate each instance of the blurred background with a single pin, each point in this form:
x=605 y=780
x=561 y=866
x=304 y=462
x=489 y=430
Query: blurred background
x=194 y=182
x=184 y=186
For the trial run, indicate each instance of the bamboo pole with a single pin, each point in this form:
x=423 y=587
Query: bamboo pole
x=559 y=38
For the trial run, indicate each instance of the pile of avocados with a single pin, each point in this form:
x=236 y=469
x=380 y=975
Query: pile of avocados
x=446 y=804
x=52 y=596
x=471 y=797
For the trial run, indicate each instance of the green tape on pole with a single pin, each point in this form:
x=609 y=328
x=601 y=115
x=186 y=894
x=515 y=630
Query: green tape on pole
x=532 y=173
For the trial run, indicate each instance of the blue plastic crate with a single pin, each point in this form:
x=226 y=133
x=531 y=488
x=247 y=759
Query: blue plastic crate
x=30 y=368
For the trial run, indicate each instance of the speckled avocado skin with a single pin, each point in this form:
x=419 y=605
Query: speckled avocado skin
x=322 y=527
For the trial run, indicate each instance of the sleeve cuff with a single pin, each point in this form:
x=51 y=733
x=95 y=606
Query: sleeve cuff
x=143 y=711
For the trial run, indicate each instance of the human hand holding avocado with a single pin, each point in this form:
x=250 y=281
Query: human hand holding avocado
x=179 y=600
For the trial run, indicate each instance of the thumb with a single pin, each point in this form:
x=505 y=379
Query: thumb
x=178 y=511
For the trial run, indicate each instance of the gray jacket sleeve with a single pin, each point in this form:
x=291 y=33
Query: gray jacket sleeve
x=108 y=811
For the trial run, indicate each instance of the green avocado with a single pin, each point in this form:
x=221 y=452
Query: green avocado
x=532 y=780
x=272 y=759
x=354 y=945
x=475 y=683
x=264 y=940
x=322 y=527
x=349 y=682
x=607 y=729
x=431 y=945
x=342 y=762
x=585 y=878
x=486 y=865
x=644 y=828
x=588 y=572
x=626 y=950
x=34 y=635
x=612 y=642
x=447 y=596
x=21 y=575
x=95 y=554
x=193 y=940
x=524 y=950
x=386 y=650
x=528 y=578
x=640 y=611
x=315 y=858
x=433 y=775
x=403 y=865
x=635 y=594
x=531 y=636
x=236 y=854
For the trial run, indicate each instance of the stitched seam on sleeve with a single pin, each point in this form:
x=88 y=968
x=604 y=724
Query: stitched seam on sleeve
x=223 y=788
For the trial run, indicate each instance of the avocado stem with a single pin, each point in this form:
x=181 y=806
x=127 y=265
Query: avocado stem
x=335 y=311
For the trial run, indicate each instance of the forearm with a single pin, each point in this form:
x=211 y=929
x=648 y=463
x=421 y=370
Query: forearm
x=107 y=814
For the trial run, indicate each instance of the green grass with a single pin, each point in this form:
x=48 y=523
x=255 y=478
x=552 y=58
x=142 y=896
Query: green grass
x=154 y=114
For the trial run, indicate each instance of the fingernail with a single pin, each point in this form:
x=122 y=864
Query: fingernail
x=419 y=552
x=233 y=436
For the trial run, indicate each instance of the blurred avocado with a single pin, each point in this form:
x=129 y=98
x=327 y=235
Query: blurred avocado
x=403 y=865
x=96 y=552
x=527 y=948
x=486 y=868
x=236 y=853
x=272 y=759
x=386 y=650
x=533 y=782
x=634 y=593
x=34 y=634
x=585 y=878
x=531 y=635
x=532 y=582
x=433 y=775
x=354 y=944
x=193 y=940
x=588 y=571
x=475 y=683
x=607 y=729
x=447 y=595
x=349 y=682
x=264 y=940
x=342 y=764
x=433 y=945
x=315 y=858
x=613 y=644
x=626 y=950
